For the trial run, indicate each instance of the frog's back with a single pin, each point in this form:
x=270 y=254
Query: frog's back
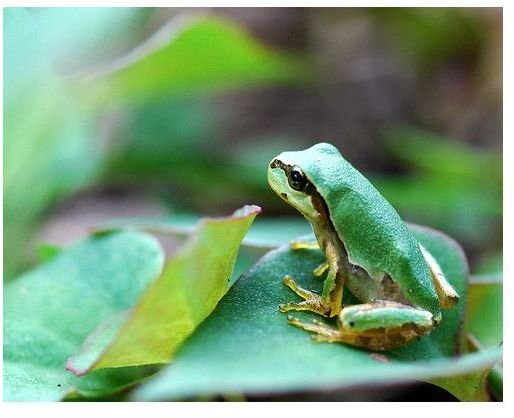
x=375 y=236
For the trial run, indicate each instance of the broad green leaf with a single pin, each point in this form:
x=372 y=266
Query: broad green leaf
x=49 y=311
x=191 y=53
x=246 y=345
x=190 y=287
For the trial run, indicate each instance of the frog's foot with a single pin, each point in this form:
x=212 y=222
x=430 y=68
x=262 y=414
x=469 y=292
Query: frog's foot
x=312 y=301
x=303 y=245
x=323 y=332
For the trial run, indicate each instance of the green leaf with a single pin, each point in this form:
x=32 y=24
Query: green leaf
x=482 y=329
x=191 y=54
x=49 y=311
x=192 y=283
x=466 y=387
x=246 y=345
x=484 y=311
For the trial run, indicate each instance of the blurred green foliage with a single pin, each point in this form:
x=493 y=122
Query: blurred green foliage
x=429 y=36
x=137 y=99
x=45 y=135
x=53 y=122
x=124 y=100
x=192 y=54
x=458 y=188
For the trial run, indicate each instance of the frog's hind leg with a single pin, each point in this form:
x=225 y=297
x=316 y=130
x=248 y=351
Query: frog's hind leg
x=323 y=332
x=379 y=325
x=448 y=296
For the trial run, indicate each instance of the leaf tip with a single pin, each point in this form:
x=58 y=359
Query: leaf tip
x=75 y=368
x=247 y=210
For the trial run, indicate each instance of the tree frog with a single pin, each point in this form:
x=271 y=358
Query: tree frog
x=368 y=249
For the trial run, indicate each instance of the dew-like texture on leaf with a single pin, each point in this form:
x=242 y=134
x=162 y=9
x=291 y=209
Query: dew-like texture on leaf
x=49 y=310
x=247 y=346
x=187 y=291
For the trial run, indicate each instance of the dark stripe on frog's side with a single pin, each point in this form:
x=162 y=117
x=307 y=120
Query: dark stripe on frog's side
x=356 y=279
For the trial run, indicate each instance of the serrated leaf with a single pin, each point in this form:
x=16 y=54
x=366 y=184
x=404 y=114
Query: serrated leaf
x=246 y=345
x=191 y=285
x=49 y=311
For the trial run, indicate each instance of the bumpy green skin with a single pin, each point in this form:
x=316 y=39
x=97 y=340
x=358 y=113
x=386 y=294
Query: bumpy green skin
x=373 y=233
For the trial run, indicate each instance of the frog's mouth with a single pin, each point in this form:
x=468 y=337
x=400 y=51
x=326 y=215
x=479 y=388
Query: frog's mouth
x=277 y=178
x=276 y=163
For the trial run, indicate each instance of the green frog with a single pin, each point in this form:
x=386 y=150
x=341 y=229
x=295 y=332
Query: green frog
x=368 y=249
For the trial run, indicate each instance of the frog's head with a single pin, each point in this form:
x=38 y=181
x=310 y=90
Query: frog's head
x=291 y=183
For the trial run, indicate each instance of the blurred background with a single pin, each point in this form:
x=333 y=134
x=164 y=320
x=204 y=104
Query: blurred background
x=146 y=113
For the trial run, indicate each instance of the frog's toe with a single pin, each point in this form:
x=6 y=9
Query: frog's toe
x=292 y=320
x=300 y=291
x=284 y=307
x=289 y=282
x=322 y=268
x=301 y=245
x=318 y=338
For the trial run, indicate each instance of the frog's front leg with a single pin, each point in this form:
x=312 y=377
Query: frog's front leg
x=312 y=301
x=379 y=325
x=330 y=302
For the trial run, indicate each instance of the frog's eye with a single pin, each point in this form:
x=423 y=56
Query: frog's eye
x=297 y=179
